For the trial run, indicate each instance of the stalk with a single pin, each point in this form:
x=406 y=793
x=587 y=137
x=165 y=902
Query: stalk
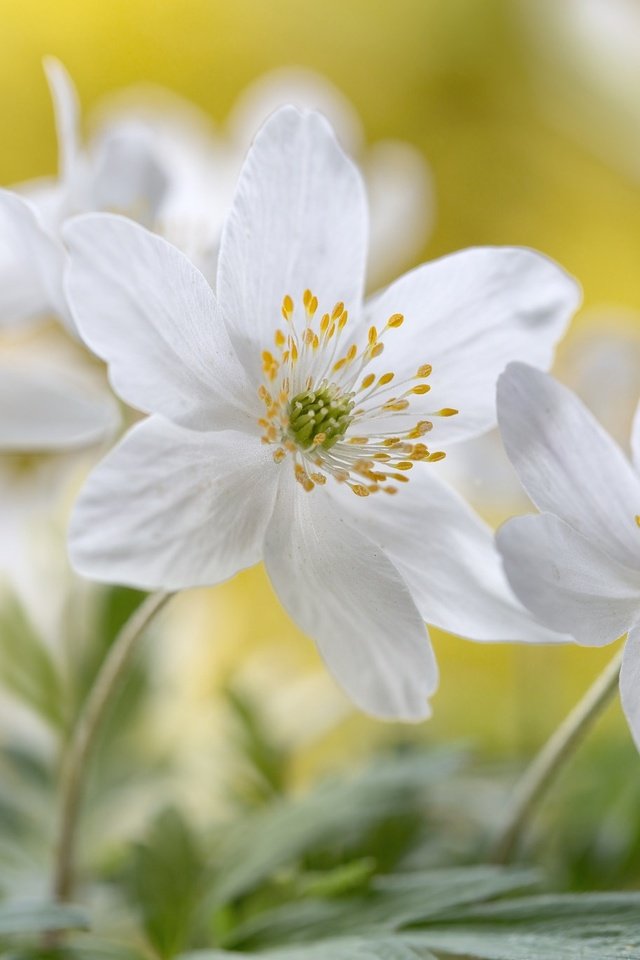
x=557 y=750
x=75 y=768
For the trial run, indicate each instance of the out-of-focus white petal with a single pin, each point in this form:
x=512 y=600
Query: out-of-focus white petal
x=635 y=439
x=630 y=682
x=129 y=174
x=447 y=556
x=31 y=266
x=567 y=581
x=299 y=88
x=146 y=310
x=567 y=463
x=346 y=594
x=67 y=114
x=46 y=409
x=171 y=508
x=468 y=315
x=401 y=205
x=298 y=221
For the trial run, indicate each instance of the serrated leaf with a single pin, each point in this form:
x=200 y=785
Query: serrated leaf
x=31 y=917
x=352 y=948
x=571 y=927
x=391 y=903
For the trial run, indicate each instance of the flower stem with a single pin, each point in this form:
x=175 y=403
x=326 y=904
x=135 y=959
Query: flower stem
x=558 y=748
x=76 y=764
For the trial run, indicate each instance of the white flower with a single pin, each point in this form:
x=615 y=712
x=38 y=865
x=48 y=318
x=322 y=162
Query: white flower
x=277 y=400
x=576 y=566
x=159 y=160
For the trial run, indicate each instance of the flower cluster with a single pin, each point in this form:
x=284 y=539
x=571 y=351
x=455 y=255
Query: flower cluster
x=267 y=391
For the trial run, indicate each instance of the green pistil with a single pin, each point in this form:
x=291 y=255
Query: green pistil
x=323 y=411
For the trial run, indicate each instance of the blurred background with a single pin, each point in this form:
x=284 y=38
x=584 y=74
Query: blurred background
x=527 y=116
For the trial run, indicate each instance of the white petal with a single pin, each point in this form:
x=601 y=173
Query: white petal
x=345 y=593
x=67 y=113
x=630 y=682
x=567 y=463
x=468 y=315
x=298 y=221
x=447 y=556
x=635 y=439
x=401 y=202
x=31 y=265
x=146 y=310
x=567 y=581
x=171 y=508
x=129 y=174
x=47 y=409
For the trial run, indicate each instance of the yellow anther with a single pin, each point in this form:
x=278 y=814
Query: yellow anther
x=351 y=353
x=446 y=412
x=421 y=388
x=385 y=378
x=377 y=350
x=439 y=455
x=424 y=370
x=404 y=465
x=339 y=364
x=279 y=455
x=360 y=441
x=391 y=441
x=373 y=335
x=319 y=439
x=390 y=490
x=396 y=320
x=324 y=323
x=360 y=490
x=638 y=519
x=279 y=338
x=312 y=306
x=383 y=457
x=294 y=351
x=337 y=311
x=319 y=478
x=287 y=307
x=343 y=320
x=306 y=297
x=367 y=381
x=396 y=405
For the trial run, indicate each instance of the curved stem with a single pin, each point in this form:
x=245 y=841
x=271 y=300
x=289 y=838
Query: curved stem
x=542 y=770
x=74 y=774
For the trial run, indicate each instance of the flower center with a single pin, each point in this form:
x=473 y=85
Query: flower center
x=320 y=417
x=333 y=417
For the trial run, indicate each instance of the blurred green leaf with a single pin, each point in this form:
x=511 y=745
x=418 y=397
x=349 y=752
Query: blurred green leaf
x=164 y=878
x=352 y=948
x=265 y=762
x=336 y=814
x=27 y=668
x=21 y=918
x=392 y=902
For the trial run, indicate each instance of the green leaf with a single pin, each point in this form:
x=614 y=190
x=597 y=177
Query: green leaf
x=27 y=668
x=163 y=880
x=391 y=903
x=570 y=927
x=352 y=948
x=337 y=813
x=32 y=917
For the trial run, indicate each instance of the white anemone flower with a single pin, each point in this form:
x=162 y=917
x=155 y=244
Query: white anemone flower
x=158 y=159
x=289 y=423
x=576 y=565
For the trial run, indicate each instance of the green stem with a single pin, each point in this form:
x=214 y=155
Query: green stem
x=560 y=746
x=76 y=764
